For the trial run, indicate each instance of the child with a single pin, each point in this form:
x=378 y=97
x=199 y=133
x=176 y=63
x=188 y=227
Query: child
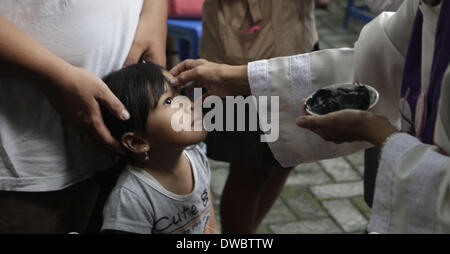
x=165 y=186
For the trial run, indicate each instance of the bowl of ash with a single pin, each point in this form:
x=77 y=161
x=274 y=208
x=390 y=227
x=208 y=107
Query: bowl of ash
x=341 y=96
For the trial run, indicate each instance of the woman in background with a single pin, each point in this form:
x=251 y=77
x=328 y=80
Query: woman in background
x=52 y=54
x=237 y=32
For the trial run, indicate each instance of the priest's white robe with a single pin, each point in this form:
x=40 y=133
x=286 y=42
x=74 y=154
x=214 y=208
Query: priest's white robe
x=412 y=192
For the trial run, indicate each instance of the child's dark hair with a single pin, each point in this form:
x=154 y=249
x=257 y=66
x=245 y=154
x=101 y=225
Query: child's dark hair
x=139 y=87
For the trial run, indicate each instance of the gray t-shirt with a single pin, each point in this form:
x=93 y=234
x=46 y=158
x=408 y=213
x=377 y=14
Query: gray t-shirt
x=140 y=204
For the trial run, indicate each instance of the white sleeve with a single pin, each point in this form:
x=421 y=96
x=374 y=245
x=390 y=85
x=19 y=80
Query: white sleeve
x=412 y=192
x=377 y=60
x=290 y=79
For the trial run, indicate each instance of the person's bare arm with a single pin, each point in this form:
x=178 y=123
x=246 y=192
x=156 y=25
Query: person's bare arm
x=74 y=92
x=149 y=43
x=220 y=79
x=20 y=50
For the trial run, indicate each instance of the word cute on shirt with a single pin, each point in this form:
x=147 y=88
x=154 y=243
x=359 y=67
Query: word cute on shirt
x=188 y=217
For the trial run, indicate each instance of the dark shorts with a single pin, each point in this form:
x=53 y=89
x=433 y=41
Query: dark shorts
x=239 y=147
x=54 y=212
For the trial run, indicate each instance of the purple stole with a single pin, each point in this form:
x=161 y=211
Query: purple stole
x=424 y=104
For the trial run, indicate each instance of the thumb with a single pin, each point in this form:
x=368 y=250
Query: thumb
x=187 y=76
x=114 y=105
x=303 y=106
x=158 y=58
x=133 y=56
x=310 y=122
x=182 y=67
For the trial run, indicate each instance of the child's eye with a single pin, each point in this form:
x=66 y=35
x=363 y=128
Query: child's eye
x=168 y=101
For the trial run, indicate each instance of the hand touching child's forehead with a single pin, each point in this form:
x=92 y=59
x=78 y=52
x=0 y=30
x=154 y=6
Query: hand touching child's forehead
x=170 y=78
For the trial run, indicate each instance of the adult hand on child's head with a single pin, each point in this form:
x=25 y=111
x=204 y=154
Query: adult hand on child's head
x=349 y=126
x=219 y=79
x=76 y=97
x=149 y=43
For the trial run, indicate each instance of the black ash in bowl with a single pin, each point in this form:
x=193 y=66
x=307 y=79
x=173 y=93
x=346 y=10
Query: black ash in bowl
x=325 y=101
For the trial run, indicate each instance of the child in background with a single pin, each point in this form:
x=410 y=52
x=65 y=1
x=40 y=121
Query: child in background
x=165 y=188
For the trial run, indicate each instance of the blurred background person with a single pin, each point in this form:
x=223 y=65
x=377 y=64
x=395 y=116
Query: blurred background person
x=236 y=32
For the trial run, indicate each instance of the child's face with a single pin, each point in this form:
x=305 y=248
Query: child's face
x=159 y=130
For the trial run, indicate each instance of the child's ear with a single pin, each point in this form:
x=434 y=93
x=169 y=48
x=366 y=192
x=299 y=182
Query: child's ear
x=135 y=143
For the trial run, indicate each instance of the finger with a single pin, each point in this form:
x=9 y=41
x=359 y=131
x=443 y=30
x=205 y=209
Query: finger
x=98 y=145
x=89 y=136
x=155 y=57
x=303 y=106
x=330 y=136
x=188 y=76
x=180 y=67
x=311 y=122
x=101 y=134
x=134 y=56
x=170 y=78
x=113 y=104
x=324 y=134
x=186 y=65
